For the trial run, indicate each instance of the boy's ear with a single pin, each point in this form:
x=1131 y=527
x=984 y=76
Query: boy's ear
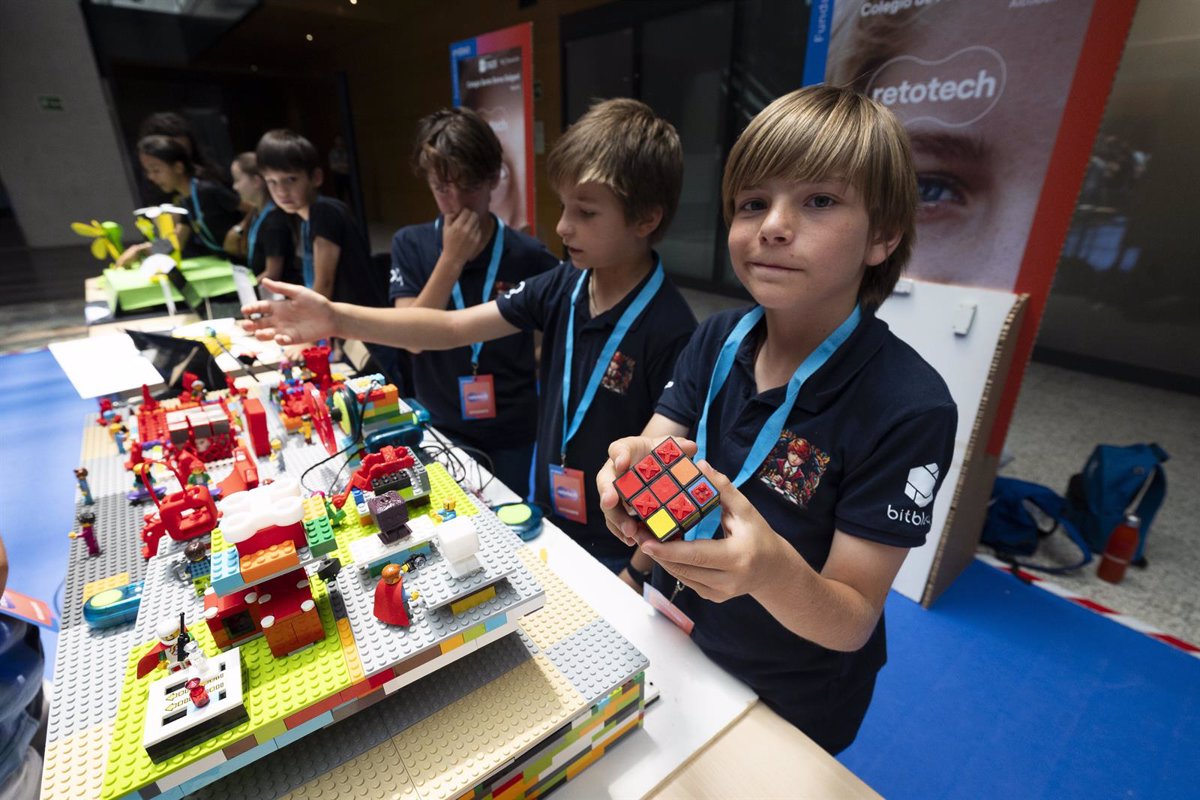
x=880 y=247
x=316 y=177
x=649 y=222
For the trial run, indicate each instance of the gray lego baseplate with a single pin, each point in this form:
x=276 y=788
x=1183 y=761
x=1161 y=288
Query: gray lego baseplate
x=575 y=657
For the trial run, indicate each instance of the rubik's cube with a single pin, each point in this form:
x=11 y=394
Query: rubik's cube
x=666 y=490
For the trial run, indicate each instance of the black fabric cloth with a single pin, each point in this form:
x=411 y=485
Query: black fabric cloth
x=220 y=208
x=277 y=237
x=356 y=281
x=625 y=401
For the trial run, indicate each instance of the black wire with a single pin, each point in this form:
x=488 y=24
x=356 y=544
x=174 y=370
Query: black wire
x=481 y=458
x=354 y=442
x=236 y=360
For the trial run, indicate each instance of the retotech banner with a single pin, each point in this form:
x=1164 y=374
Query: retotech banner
x=1002 y=100
x=493 y=75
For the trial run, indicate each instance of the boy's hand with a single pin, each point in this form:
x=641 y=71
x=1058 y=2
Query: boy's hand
x=301 y=316
x=462 y=237
x=751 y=555
x=623 y=454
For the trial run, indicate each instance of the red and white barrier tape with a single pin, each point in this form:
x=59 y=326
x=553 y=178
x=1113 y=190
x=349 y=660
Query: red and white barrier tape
x=1067 y=594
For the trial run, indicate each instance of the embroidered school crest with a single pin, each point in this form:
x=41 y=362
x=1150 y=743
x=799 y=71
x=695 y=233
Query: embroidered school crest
x=794 y=468
x=619 y=373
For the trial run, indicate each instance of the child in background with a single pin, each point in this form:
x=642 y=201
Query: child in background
x=611 y=320
x=835 y=434
x=465 y=257
x=335 y=259
x=264 y=239
x=212 y=208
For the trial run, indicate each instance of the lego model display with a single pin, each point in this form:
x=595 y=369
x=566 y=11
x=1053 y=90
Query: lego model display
x=288 y=606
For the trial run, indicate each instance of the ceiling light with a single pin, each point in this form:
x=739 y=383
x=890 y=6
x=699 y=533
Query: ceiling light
x=308 y=36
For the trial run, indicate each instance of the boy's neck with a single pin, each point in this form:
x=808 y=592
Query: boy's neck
x=609 y=286
x=184 y=185
x=304 y=210
x=792 y=335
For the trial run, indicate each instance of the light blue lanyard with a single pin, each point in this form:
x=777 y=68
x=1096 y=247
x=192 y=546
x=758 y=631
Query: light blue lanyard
x=201 y=229
x=306 y=256
x=489 y=281
x=630 y=315
x=253 y=235
x=769 y=435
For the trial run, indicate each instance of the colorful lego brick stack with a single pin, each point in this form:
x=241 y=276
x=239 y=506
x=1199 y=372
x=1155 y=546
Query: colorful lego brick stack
x=667 y=491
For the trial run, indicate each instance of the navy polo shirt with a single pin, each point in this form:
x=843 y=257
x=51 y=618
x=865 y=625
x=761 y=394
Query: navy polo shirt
x=510 y=361
x=863 y=451
x=628 y=392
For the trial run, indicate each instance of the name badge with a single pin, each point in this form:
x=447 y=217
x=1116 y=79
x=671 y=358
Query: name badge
x=568 y=494
x=477 y=396
x=668 y=609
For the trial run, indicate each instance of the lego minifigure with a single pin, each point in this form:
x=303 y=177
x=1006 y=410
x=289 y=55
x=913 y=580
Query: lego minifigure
x=306 y=429
x=81 y=475
x=119 y=436
x=87 y=532
x=170 y=651
x=447 y=513
x=198 y=477
x=389 y=597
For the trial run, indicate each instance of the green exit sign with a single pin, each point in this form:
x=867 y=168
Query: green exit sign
x=50 y=102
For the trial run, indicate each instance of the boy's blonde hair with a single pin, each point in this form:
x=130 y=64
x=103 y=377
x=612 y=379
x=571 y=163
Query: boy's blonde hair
x=822 y=132
x=623 y=145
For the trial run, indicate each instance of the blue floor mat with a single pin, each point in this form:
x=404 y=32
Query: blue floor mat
x=1003 y=690
x=40 y=427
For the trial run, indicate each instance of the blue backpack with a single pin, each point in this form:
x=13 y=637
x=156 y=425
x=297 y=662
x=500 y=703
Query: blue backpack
x=1014 y=527
x=1116 y=481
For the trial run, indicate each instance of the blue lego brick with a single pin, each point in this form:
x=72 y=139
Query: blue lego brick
x=304 y=729
x=226 y=572
x=495 y=622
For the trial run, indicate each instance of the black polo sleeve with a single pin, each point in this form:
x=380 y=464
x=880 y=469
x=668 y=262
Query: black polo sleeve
x=528 y=304
x=887 y=495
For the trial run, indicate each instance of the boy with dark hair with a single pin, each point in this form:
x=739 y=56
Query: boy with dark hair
x=483 y=396
x=335 y=259
x=611 y=320
x=837 y=434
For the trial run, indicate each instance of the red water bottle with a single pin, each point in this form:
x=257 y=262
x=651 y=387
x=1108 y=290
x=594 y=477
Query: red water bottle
x=1122 y=544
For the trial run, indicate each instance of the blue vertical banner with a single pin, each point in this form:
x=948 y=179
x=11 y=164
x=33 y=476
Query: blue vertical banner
x=459 y=51
x=819 y=22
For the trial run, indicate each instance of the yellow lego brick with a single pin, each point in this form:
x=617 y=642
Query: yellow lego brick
x=269 y=731
x=661 y=523
x=75 y=765
x=269 y=561
x=111 y=582
x=564 y=613
x=314 y=508
x=451 y=751
x=472 y=600
x=350 y=651
x=377 y=774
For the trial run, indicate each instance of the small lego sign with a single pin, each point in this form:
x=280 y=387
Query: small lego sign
x=477 y=396
x=28 y=608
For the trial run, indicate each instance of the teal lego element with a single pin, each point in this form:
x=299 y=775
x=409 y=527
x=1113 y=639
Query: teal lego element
x=495 y=622
x=226 y=572
x=319 y=534
x=375 y=568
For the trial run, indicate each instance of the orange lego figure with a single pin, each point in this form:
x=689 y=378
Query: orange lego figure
x=389 y=597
